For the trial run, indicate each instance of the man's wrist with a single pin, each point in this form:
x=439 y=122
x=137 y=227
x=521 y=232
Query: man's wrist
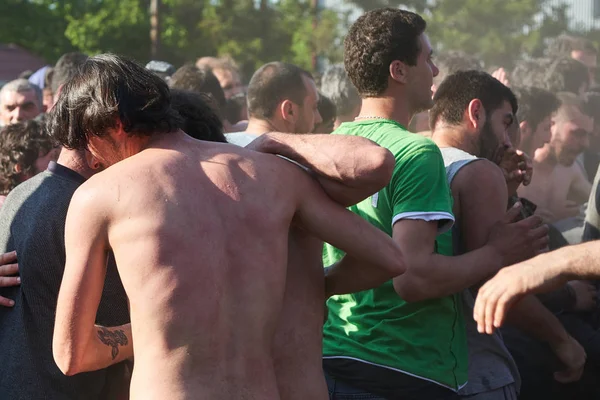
x=495 y=257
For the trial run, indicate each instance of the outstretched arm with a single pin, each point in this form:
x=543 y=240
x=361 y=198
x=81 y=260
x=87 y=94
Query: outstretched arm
x=543 y=273
x=79 y=345
x=349 y=168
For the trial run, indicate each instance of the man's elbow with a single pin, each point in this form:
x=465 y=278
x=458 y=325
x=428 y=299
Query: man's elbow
x=382 y=163
x=66 y=360
x=411 y=290
x=397 y=265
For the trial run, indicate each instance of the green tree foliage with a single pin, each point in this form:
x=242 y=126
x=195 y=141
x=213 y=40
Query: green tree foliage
x=252 y=32
x=497 y=31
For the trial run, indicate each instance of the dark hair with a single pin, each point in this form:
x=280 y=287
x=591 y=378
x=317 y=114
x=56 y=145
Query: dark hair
x=376 y=39
x=200 y=120
x=326 y=108
x=106 y=89
x=189 y=77
x=456 y=92
x=450 y=62
x=272 y=84
x=339 y=89
x=21 y=144
x=565 y=75
x=234 y=110
x=65 y=68
x=564 y=44
x=535 y=104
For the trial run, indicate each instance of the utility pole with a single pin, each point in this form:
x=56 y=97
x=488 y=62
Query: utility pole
x=154 y=28
x=315 y=7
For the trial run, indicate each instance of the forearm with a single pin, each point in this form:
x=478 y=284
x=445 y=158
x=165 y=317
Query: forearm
x=533 y=318
x=438 y=276
x=351 y=275
x=350 y=168
x=568 y=263
x=105 y=347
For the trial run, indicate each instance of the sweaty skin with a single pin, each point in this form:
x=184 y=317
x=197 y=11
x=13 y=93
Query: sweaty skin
x=201 y=248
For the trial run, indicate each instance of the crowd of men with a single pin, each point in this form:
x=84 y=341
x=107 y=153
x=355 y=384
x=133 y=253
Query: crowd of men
x=173 y=234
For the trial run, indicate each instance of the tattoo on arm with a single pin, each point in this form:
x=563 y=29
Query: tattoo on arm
x=113 y=339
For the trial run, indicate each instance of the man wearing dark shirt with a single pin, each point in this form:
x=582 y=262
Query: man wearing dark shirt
x=32 y=222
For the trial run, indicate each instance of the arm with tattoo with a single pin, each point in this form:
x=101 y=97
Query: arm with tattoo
x=78 y=345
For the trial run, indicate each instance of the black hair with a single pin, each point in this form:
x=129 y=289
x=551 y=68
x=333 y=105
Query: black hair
x=108 y=89
x=456 y=92
x=200 y=120
x=374 y=41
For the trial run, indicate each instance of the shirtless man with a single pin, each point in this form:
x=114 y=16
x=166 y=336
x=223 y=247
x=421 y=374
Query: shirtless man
x=349 y=169
x=165 y=203
x=559 y=186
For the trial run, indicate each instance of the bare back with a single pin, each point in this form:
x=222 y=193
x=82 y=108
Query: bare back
x=199 y=233
x=298 y=345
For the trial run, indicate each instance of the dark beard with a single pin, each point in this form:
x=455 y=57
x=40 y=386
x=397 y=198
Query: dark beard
x=489 y=148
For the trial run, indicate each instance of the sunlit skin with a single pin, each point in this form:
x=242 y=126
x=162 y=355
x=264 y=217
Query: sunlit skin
x=558 y=186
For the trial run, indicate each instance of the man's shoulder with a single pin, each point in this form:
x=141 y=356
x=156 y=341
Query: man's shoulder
x=390 y=135
x=45 y=181
x=482 y=174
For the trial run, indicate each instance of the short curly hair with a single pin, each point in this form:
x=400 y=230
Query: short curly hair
x=375 y=40
x=21 y=144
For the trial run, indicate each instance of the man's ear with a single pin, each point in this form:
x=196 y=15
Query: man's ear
x=92 y=161
x=289 y=111
x=18 y=168
x=399 y=71
x=525 y=129
x=475 y=113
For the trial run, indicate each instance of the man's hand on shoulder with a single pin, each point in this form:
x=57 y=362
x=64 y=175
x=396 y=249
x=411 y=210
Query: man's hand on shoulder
x=8 y=268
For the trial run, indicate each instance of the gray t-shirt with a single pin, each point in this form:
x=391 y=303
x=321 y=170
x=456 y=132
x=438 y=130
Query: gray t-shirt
x=241 y=139
x=32 y=222
x=490 y=364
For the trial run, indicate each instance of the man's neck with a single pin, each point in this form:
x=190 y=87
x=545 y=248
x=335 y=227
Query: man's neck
x=260 y=126
x=75 y=160
x=544 y=156
x=391 y=108
x=455 y=136
x=340 y=119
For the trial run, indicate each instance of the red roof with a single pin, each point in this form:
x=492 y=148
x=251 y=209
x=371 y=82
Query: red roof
x=15 y=59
